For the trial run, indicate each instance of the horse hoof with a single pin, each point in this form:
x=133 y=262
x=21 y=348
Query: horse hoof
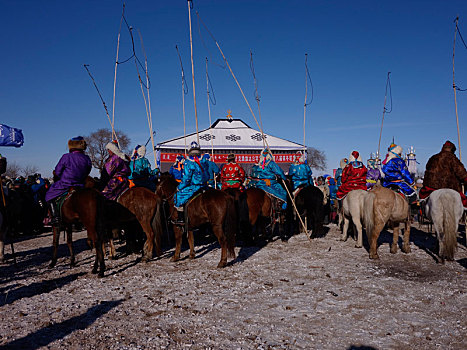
x=192 y=256
x=145 y=259
x=221 y=265
x=52 y=264
x=374 y=256
x=173 y=259
x=100 y=274
x=94 y=271
x=358 y=245
x=342 y=239
x=406 y=250
x=393 y=250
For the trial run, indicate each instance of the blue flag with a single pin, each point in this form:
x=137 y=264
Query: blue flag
x=10 y=136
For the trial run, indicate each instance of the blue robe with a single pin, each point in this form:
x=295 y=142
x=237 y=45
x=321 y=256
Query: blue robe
x=397 y=174
x=141 y=173
x=194 y=177
x=211 y=169
x=266 y=180
x=301 y=175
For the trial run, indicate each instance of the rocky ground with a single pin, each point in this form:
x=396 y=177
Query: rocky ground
x=323 y=294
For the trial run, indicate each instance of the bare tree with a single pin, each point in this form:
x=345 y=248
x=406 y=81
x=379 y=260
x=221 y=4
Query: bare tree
x=13 y=169
x=96 y=145
x=29 y=170
x=316 y=158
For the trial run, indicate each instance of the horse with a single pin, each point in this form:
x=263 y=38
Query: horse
x=209 y=206
x=84 y=205
x=145 y=207
x=381 y=205
x=254 y=207
x=352 y=208
x=444 y=208
x=309 y=203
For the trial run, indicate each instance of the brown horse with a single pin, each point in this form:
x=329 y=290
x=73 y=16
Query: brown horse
x=381 y=205
x=146 y=207
x=212 y=206
x=254 y=208
x=85 y=206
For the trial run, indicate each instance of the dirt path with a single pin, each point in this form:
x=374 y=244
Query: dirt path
x=324 y=294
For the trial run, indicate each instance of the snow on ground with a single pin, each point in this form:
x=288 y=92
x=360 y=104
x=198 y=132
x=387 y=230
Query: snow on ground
x=323 y=294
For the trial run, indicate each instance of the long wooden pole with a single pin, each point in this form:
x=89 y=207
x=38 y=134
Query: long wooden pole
x=184 y=92
x=304 y=104
x=209 y=109
x=114 y=135
x=257 y=98
x=382 y=121
x=454 y=88
x=193 y=71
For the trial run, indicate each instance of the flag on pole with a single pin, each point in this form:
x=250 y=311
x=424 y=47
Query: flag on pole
x=10 y=137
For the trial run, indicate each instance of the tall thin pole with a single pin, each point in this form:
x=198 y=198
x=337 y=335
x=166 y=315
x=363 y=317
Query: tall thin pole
x=184 y=92
x=304 y=104
x=454 y=87
x=115 y=74
x=209 y=108
x=384 y=111
x=257 y=95
x=193 y=70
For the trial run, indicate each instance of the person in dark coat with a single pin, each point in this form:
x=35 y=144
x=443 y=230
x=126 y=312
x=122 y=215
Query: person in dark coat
x=118 y=171
x=444 y=170
x=71 y=171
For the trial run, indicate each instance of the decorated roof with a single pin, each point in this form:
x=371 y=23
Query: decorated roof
x=231 y=134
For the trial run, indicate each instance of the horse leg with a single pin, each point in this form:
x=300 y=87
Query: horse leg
x=358 y=225
x=217 y=229
x=178 y=232
x=149 y=244
x=395 y=238
x=345 y=228
x=112 y=252
x=374 y=240
x=191 y=243
x=406 y=240
x=56 y=235
x=69 y=242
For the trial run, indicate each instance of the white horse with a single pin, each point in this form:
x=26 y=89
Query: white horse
x=352 y=208
x=444 y=208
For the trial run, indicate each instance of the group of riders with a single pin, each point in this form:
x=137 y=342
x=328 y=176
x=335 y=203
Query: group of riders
x=196 y=171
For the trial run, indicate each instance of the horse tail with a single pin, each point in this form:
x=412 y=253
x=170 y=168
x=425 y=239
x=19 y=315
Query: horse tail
x=450 y=225
x=368 y=213
x=156 y=225
x=230 y=226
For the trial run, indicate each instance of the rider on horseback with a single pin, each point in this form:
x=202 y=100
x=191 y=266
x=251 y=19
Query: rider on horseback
x=396 y=173
x=232 y=174
x=444 y=170
x=140 y=167
x=300 y=172
x=373 y=175
x=268 y=174
x=71 y=171
x=211 y=168
x=117 y=169
x=342 y=164
x=194 y=178
x=353 y=176
x=177 y=168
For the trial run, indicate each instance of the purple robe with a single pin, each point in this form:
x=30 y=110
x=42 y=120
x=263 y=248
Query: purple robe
x=372 y=176
x=71 y=170
x=118 y=171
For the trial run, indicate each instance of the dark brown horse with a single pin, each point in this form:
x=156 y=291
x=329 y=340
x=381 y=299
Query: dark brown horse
x=145 y=206
x=212 y=206
x=254 y=207
x=85 y=206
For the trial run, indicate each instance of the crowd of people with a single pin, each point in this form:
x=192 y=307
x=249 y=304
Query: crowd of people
x=197 y=171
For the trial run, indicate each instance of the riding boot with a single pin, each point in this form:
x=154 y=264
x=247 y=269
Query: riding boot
x=54 y=213
x=180 y=218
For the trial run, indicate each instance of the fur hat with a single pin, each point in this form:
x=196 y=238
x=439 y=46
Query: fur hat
x=265 y=158
x=300 y=157
x=139 y=152
x=449 y=146
x=394 y=152
x=113 y=147
x=231 y=157
x=77 y=143
x=194 y=150
x=343 y=163
x=355 y=156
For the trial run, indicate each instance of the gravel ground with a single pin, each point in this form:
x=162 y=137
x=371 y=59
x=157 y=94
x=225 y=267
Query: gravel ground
x=323 y=294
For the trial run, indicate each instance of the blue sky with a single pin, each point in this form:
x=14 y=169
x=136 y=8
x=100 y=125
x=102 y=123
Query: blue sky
x=351 y=46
